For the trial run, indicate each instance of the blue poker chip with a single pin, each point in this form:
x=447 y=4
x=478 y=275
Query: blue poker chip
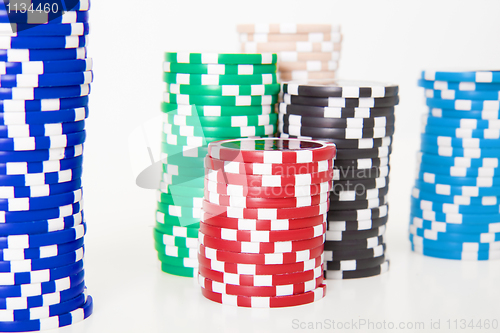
x=458 y=161
x=447 y=208
x=41 y=130
x=43 y=104
x=458 y=181
x=470 y=191
x=44 y=263
x=41 y=155
x=455 y=228
x=459 y=76
x=464 y=123
x=466 y=219
x=64 y=117
x=8 y=255
x=44 y=300
x=38 y=179
x=55 y=191
x=32 y=143
x=38 y=203
x=461 y=86
x=460 y=152
x=10 y=279
x=21 y=168
x=455 y=94
x=42 y=55
x=39 y=240
x=46 y=67
x=49 y=287
x=455 y=237
x=462 y=104
x=493 y=133
x=32 y=42
x=25 y=315
x=418 y=193
x=53 y=322
x=65 y=29
x=448 y=141
x=40 y=227
x=445 y=113
x=29 y=94
x=43 y=80
x=454 y=246
x=459 y=171
x=42 y=214
x=455 y=255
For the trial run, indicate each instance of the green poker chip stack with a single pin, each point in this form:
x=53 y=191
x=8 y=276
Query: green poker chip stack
x=208 y=97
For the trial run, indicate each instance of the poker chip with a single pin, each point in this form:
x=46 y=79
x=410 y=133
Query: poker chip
x=361 y=273
x=358 y=117
x=335 y=112
x=45 y=79
x=263 y=222
x=210 y=97
x=454 y=205
x=305 y=51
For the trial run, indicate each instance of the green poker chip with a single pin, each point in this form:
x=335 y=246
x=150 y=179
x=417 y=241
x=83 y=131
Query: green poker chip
x=178 y=231
x=175 y=251
x=216 y=80
x=220 y=100
x=179 y=271
x=169 y=240
x=184 y=150
x=221 y=58
x=179 y=211
x=217 y=111
x=225 y=90
x=166 y=228
x=181 y=171
x=232 y=121
x=220 y=132
x=165 y=219
x=175 y=261
x=218 y=69
x=198 y=182
x=184 y=161
x=178 y=200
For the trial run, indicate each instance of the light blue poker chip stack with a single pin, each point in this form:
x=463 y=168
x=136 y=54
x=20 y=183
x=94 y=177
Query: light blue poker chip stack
x=45 y=81
x=455 y=204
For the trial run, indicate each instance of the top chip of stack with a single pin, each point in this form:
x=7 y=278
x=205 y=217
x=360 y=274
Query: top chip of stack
x=45 y=79
x=358 y=117
x=455 y=202
x=265 y=205
x=209 y=97
x=305 y=51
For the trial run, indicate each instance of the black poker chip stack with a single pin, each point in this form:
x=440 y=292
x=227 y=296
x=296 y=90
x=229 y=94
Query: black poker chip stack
x=359 y=118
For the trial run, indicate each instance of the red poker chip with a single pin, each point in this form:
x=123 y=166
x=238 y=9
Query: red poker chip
x=251 y=224
x=219 y=176
x=266 y=302
x=262 y=236
x=265 y=291
x=247 y=274
x=268 y=192
x=265 y=213
x=260 y=248
x=272 y=150
x=249 y=202
x=260 y=258
x=278 y=169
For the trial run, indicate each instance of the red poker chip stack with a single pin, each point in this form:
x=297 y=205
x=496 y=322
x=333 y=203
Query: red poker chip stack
x=263 y=225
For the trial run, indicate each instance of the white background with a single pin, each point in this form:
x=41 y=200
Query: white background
x=384 y=41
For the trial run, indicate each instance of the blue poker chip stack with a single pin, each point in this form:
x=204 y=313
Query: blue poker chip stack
x=455 y=207
x=44 y=86
x=358 y=117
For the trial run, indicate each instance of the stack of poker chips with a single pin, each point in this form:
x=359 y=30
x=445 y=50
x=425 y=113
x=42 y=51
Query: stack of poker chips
x=263 y=227
x=455 y=203
x=44 y=79
x=208 y=97
x=358 y=117
x=305 y=51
